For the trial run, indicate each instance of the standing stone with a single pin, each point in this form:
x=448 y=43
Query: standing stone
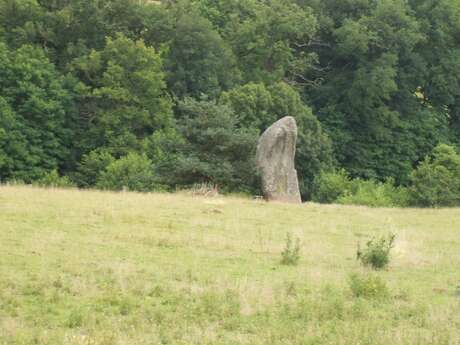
x=275 y=161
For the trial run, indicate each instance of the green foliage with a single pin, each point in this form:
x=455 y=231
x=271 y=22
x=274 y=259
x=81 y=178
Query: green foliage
x=36 y=111
x=370 y=69
x=368 y=286
x=133 y=172
x=291 y=252
x=123 y=99
x=374 y=87
x=53 y=179
x=436 y=181
x=375 y=194
x=253 y=104
x=328 y=187
x=198 y=60
x=270 y=40
x=376 y=253
x=338 y=187
x=442 y=55
x=214 y=150
x=91 y=167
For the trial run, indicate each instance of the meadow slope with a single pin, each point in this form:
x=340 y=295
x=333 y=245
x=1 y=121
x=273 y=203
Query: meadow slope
x=87 y=267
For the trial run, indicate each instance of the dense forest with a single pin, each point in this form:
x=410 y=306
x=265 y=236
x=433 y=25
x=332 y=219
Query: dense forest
x=159 y=95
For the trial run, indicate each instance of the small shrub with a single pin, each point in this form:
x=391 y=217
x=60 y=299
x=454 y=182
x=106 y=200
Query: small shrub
x=133 y=172
x=52 y=179
x=367 y=286
x=291 y=252
x=377 y=252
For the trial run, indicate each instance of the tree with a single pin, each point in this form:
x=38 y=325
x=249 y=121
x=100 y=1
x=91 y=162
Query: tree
x=214 y=150
x=69 y=29
x=198 y=61
x=369 y=100
x=440 y=50
x=270 y=39
x=123 y=97
x=91 y=167
x=36 y=113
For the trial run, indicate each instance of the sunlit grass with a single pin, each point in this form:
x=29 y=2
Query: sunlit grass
x=86 y=267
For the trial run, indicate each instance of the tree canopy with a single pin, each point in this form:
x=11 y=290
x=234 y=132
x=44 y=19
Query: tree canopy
x=189 y=85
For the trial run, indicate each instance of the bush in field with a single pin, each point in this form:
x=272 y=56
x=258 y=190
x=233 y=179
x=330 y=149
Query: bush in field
x=436 y=181
x=376 y=253
x=133 y=172
x=367 y=286
x=53 y=179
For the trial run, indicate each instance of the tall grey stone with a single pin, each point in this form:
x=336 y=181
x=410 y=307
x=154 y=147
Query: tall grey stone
x=275 y=161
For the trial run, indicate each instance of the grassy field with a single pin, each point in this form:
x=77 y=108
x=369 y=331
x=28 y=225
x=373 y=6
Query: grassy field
x=84 y=267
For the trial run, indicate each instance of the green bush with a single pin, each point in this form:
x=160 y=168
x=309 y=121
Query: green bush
x=436 y=181
x=375 y=194
x=91 y=166
x=328 y=187
x=133 y=172
x=367 y=286
x=337 y=187
x=53 y=179
x=291 y=252
x=377 y=252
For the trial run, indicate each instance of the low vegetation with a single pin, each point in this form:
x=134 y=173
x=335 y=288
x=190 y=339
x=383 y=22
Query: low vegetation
x=376 y=253
x=435 y=182
x=368 y=286
x=103 y=268
x=291 y=252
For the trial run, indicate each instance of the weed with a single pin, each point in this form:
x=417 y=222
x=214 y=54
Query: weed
x=291 y=252
x=368 y=286
x=377 y=252
x=75 y=319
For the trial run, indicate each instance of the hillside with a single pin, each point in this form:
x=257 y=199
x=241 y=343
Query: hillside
x=155 y=95
x=84 y=267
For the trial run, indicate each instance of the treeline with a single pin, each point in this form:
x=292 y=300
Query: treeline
x=151 y=95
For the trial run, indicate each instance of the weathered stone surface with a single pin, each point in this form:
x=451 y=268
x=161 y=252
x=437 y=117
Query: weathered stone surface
x=275 y=161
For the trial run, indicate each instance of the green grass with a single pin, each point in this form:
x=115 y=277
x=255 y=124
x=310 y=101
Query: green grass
x=84 y=267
